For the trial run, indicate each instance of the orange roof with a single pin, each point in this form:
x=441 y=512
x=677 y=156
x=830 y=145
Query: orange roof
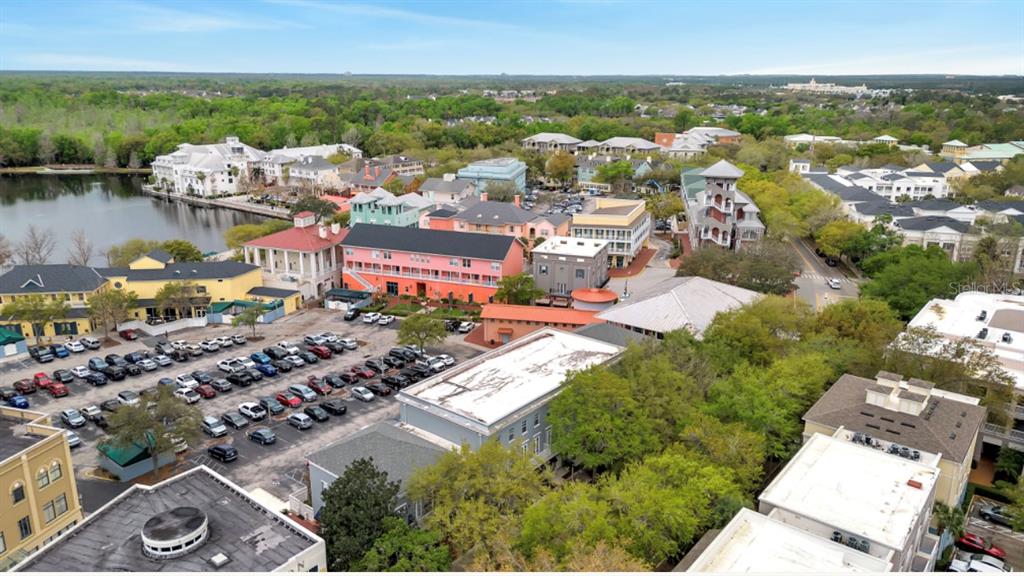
x=340 y=201
x=539 y=314
x=300 y=239
x=594 y=295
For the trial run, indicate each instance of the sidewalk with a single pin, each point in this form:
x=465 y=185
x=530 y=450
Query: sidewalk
x=636 y=266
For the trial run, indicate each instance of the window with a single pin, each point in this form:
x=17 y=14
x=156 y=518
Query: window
x=55 y=471
x=526 y=446
x=60 y=504
x=496 y=266
x=349 y=252
x=581 y=273
x=375 y=254
x=453 y=262
x=3 y=543
x=536 y=444
x=466 y=263
x=48 y=513
x=200 y=289
x=524 y=427
x=543 y=269
x=511 y=434
x=43 y=478
x=387 y=254
x=536 y=420
x=25 y=527
x=17 y=493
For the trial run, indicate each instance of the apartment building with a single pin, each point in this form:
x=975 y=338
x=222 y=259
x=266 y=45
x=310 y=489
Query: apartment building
x=272 y=165
x=448 y=189
x=895 y=182
x=718 y=212
x=625 y=224
x=206 y=169
x=40 y=498
x=546 y=142
x=695 y=141
x=306 y=258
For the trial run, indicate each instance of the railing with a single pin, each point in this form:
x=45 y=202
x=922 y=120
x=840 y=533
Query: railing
x=1016 y=436
x=413 y=276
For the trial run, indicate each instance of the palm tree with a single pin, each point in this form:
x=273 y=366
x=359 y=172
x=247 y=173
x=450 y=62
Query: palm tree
x=949 y=518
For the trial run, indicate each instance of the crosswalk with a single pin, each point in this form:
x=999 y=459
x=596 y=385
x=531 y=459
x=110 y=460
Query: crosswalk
x=816 y=276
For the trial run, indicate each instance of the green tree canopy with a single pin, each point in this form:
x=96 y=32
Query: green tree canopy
x=908 y=277
x=183 y=251
x=235 y=236
x=156 y=423
x=38 y=310
x=518 y=289
x=322 y=209
x=421 y=330
x=111 y=307
x=768 y=267
x=404 y=548
x=356 y=508
x=560 y=166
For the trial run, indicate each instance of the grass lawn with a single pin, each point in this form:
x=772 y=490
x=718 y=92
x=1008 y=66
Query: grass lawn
x=404 y=309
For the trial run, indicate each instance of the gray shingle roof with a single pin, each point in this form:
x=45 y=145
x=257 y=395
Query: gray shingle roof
x=986 y=165
x=46 y=278
x=877 y=208
x=448 y=186
x=922 y=223
x=184 y=271
x=1000 y=205
x=722 y=169
x=160 y=255
x=934 y=204
x=423 y=241
x=272 y=292
x=493 y=212
x=942 y=167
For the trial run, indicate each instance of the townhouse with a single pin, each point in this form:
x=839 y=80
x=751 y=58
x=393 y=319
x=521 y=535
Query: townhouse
x=695 y=141
x=718 y=212
x=626 y=224
x=314 y=174
x=272 y=165
x=435 y=264
x=895 y=182
x=546 y=142
x=588 y=169
x=483 y=172
x=306 y=258
x=207 y=169
x=382 y=207
x=369 y=178
x=489 y=217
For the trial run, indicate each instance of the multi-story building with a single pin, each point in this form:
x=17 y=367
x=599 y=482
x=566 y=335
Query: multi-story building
x=961 y=152
x=368 y=178
x=382 y=207
x=489 y=217
x=40 y=498
x=314 y=174
x=74 y=285
x=865 y=496
x=625 y=224
x=433 y=264
x=306 y=258
x=205 y=170
x=926 y=231
x=495 y=170
x=197 y=521
x=545 y=142
x=895 y=182
x=718 y=212
x=909 y=413
x=627 y=146
x=401 y=165
x=271 y=166
x=831 y=88
x=588 y=170
x=562 y=264
x=448 y=189
x=695 y=141
x=504 y=323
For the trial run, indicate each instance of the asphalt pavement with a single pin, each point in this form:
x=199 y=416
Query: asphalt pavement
x=812 y=284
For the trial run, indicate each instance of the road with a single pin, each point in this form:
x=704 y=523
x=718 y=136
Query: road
x=1011 y=542
x=812 y=284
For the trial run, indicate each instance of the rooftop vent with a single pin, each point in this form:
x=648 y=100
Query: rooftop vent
x=174 y=533
x=219 y=560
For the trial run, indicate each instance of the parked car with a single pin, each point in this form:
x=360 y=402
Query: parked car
x=235 y=420
x=111 y=405
x=224 y=341
x=91 y=412
x=351 y=314
x=289 y=399
x=193 y=350
x=288 y=347
x=412 y=375
x=377 y=365
x=73 y=418
x=328 y=336
x=74 y=346
x=128 y=397
x=362 y=393
x=997 y=515
x=319 y=386
x=189 y=395
x=96 y=378
x=246 y=361
x=243 y=379
x=41 y=380
x=466 y=327
x=396 y=381
x=271 y=405
x=348 y=343
x=115 y=360
x=180 y=356
x=163 y=347
x=90 y=343
x=149 y=365
x=335 y=347
x=335 y=407
x=253 y=373
x=302 y=391
x=263 y=436
x=347 y=377
x=975 y=543
x=96 y=364
x=371 y=318
x=385 y=319
x=282 y=365
x=308 y=357
x=132 y=369
x=230 y=366
x=186 y=381
x=317 y=413
x=260 y=358
x=252 y=411
x=275 y=352
x=295 y=361
x=223 y=452
x=134 y=357
x=320 y=352
x=18 y=401
x=58 y=390
x=206 y=391
x=448 y=360
x=209 y=345
x=41 y=355
x=74 y=440
x=403 y=353
x=393 y=362
x=220 y=385
x=314 y=340
x=213 y=426
x=115 y=373
x=59 y=351
x=6 y=393
x=334 y=381
x=24 y=386
x=300 y=421
x=238 y=339
x=379 y=389
x=128 y=334
x=362 y=372
x=79 y=371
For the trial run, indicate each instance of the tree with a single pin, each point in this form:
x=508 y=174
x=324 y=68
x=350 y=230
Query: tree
x=342 y=219
x=182 y=251
x=501 y=191
x=838 y=237
x=1016 y=506
x=237 y=235
x=356 y=506
x=731 y=445
x=177 y=296
x=665 y=205
x=1009 y=463
x=404 y=548
x=322 y=209
x=396 y=186
x=111 y=307
x=36 y=247
x=597 y=423
x=37 y=310
x=81 y=250
x=757 y=333
x=476 y=493
x=669 y=395
x=858 y=332
x=5 y=251
x=565 y=519
x=560 y=166
x=618 y=175
x=767 y=266
x=518 y=289
x=949 y=518
x=421 y=330
x=249 y=317
x=155 y=423
x=121 y=255
x=908 y=277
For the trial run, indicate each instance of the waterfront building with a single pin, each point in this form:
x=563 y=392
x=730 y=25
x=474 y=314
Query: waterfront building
x=562 y=264
x=625 y=224
x=74 y=285
x=272 y=164
x=483 y=172
x=718 y=212
x=207 y=169
x=382 y=207
x=306 y=258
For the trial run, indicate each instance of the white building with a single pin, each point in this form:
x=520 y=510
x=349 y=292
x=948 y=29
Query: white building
x=830 y=88
x=894 y=182
x=551 y=142
x=207 y=169
x=272 y=164
x=315 y=174
x=305 y=258
x=861 y=496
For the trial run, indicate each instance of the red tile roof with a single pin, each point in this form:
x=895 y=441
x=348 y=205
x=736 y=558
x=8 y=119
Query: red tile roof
x=594 y=295
x=305 y=239
x=303 y=214
x=539 y=314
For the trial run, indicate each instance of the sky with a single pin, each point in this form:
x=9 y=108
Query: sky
x=552 y=37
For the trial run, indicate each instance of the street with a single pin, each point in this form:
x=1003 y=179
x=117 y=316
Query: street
x=812 y=284
x=1011 y=542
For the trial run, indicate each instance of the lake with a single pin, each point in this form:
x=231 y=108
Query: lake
x=110 y=209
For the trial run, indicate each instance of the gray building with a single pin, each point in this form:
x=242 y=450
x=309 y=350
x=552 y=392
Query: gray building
x=562 y=264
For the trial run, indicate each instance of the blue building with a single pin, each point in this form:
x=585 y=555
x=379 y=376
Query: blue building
x=496 y=170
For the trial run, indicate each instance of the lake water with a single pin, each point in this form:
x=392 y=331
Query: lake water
x=110 y=209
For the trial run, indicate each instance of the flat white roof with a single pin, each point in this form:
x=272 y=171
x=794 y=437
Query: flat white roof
x=569 y=246
x=753 y=542
x=503 y=381
x=958 y=318
x=854 y=489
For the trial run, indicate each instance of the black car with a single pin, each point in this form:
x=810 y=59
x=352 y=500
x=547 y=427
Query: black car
x=96 y=378
x=412 y=375
x=334 y=406
x=271 y=405
x=403 y=353
x=63 y=376
x=235 y=420
x=41 y=355
x=179 y=356
x=6 y=393
x=352 y=314
x=115 y=359
x=831 y=262
x=334 y=347
x=334 y=381
x=223 y=452
x=111 y=405
x=220 y=385
x=421 y=371
x=379 y=389
x=377 y=365
x=275 y=352
x=393 y=362
x=451 y=325
x=396 y=382
x=202 y=377
x=253 y=373
x=114 y=372
x=134 y=357
x=242 y=379
x=132 y=369
x=308 y=357
x=263 y=436
x=317 y=413
x=282 y=365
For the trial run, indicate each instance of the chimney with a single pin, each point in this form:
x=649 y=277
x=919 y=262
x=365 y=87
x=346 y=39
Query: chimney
x=366 y=172
x=449 y=177
x=376 y=172
x=515 y=200
x=483 y=196
x=322 y=230
x=335 y=228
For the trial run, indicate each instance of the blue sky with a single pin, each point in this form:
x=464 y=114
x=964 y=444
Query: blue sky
x=515 y=37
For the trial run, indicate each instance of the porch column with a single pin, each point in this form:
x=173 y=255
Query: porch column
x=302 y=266
x=287 y=263
x=271 y=252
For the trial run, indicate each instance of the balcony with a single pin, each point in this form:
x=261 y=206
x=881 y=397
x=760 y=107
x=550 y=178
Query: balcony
x=420 y=276
x=1002 y=434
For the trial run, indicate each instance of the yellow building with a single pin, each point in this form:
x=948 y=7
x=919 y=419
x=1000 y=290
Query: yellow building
x=911 y=414
x=61 y=282
x=626 y=224
x=38 y=494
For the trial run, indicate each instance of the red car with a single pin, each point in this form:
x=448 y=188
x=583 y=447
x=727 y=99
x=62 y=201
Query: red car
x=206 y=391
x=24 y=386
x=42 y=380
x=321 y=352
x=319 y=386
x=362 y=372
x=975 y=543
x=128 y=334
x=57 y=389
x=288 y=399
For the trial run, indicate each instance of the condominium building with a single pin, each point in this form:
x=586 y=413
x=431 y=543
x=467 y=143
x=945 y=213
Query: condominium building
x=894 y=182
x=718 y=212
x=488 y=217
x=207 y=169
x=39 y=499
x=545 y=142
x=625 y=224
x=448 y=189
x=563 y=264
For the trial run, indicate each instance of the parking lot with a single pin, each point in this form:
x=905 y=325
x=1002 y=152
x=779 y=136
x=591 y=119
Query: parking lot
x=277 y=468
x=1011 y=542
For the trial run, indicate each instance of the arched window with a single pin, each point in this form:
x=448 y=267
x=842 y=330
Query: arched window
x=55 y=471
x=43 y=478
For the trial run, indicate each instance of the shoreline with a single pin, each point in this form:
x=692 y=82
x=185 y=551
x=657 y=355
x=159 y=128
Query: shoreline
x=59 y=171
x=246 y=207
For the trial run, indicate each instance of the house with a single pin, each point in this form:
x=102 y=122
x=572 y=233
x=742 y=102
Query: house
x=447 y=190
x=588 y=169
x=840 y=489
x=910 y=413
x=314 y=174
x=207 y=169
x=368 y=179
x=627 y=146
x=893 y=182
x=954 y=149
x=942 y=231
x=196 y=521
x=272 y=165
x=401 y=165
x=382 y=207
x=1015 y=191
x=885 y=139
x=504 y=323
x=994 y=322
x=848 y=193
x=626 y=224
x=794 y=140
x=695 y=141
x=306 y=258
x=503 y=394
x=1000 y=211
x=719 y=213
x=867 y=213
x=753 y=542
x=435 y=264
x=40 y=495
x=949 y=170
x=682 y=303
x=975 y=167
x=74 y=285
x=483 y=172
x=488 y=217
x=545 y=142
x=799 y=165
x=562 y=264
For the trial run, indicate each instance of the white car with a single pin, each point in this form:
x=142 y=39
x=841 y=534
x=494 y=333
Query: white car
x=371 y=318
x=436 y=364
x=73 y=440
x=362 y=393
x=238 y=339
x=300 y=421
x=189 y=395
x=466 y=327
x=246 y=361
x=75 y=346
x=348 y=343
x=834 y=284
x=209 y=345
x=329 y=337
x=162 y=360
x=80 y=371
x=225 y=341
x=252 y=411
x=193 y=350
x=186 y=381
x=179 y=344
x=128 y=397
x=448 y=360
x=314 y=340
x=178 y=444
x=231 y=365
x=385 y=320
x=295 y=360
x=147 y=364
x=90 y=343
x=288 y=347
